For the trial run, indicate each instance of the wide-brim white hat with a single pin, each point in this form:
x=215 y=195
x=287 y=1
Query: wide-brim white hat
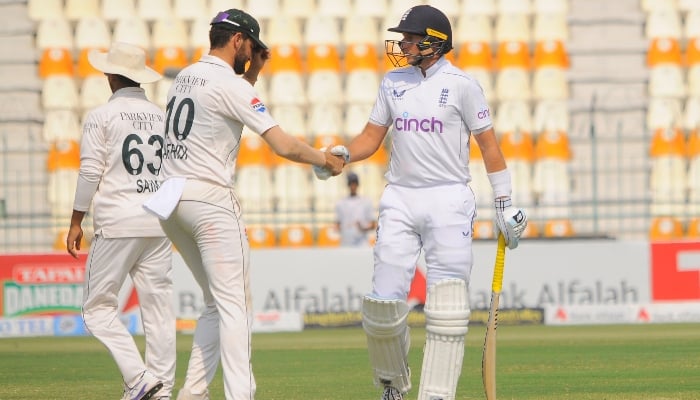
x=124 y=59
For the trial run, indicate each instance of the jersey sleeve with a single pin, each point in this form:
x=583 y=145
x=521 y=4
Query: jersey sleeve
x=242 y=102
x=93 y=147
x=475 y=108
x=381 y=114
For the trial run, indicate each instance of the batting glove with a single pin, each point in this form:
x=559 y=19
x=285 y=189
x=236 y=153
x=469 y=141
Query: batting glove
x=510 y=221
x=322 y=173
x=341 y=150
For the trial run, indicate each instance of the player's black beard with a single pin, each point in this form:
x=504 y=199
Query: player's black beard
x=239 y=64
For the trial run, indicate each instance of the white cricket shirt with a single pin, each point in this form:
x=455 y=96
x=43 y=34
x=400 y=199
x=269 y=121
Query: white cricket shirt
x=207 y=107
x=431 y=119
x=350 y=212
x=121 y=143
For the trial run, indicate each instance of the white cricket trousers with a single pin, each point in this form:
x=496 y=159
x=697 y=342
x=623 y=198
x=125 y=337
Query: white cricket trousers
x=207 y=228
x=437 y=219
x=148 y=261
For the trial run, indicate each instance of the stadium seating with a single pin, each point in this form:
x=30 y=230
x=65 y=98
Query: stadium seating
x=113 y=10
x=254 y=174
x=261 y=236
x=552 y=182
x=327 y=235
x=517 y=50
x=668 y=172
x=296 y=235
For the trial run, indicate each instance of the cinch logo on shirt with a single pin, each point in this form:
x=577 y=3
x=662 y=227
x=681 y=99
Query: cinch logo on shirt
x=257 y=105
x=424 y=125
x=484 y=114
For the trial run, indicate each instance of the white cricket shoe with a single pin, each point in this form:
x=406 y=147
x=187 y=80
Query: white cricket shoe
x=391 y=393
x=147 y=386
x=185 y=394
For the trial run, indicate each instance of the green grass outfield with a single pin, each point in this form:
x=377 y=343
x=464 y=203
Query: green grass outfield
x=631 y=362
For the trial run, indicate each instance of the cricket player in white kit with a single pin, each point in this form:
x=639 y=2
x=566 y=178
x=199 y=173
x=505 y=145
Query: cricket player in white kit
x=119 y=162
x=354 y=215
x=208 y=104
x=434 y=109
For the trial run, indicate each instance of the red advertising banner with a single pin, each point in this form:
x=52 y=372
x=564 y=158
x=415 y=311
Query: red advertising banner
x=41 y=284
x=675 y=271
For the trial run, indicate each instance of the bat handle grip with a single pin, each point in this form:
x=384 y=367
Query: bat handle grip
x=497 y=283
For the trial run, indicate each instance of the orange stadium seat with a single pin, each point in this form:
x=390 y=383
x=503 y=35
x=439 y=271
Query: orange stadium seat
x=693 y=230
x=551 y=178
x=324 y=80
x=286 y=72
x=558 y=228
x=328 y=236
x=668 y=172
x=62 y=164
x=84 y=68
x=664 y=51
x=261 y=236
x=475 y=55
x=168 y=39
x=59 y=243
x=518 y=149
x=254 y=174
x=296 y=235
x=665 y=228
x=513 y=71
x=550 y=53
x=55 y=61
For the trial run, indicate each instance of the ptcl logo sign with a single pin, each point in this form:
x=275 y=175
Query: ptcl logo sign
x=675 y=271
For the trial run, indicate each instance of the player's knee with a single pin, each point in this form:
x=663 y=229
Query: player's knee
x=447 y=308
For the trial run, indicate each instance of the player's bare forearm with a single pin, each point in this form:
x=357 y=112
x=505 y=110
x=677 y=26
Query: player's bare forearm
x=367 y=142
x=296 y=150
x=490 y=151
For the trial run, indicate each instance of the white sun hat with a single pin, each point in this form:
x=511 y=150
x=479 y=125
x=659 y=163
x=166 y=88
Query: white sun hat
x=124 y=59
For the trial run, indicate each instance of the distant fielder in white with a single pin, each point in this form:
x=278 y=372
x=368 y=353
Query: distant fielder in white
x=119 y=162
x=354 y=215
x=434 y=109
x=207 y=106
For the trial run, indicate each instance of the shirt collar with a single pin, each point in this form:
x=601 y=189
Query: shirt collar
x=433 y=69
x=208 y=58
x=131 y=91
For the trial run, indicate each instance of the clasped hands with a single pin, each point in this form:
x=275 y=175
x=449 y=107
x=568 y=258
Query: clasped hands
x=336 y=158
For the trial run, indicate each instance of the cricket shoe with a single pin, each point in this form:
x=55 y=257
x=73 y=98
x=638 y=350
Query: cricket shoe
x=391 y=393
x=147 y=386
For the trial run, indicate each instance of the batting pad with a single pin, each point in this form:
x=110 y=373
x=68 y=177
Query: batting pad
x=446 y=322
x=388 y=340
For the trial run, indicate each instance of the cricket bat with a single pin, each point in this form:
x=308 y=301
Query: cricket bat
x=488 y=360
